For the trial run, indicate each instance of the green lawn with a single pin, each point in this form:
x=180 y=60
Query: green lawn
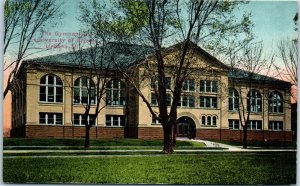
x=264 y=144
x=205 y=168
x=79 y=142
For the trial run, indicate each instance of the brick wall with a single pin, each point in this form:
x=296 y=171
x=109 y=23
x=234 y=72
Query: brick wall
x=37 y=131
x=150 y=133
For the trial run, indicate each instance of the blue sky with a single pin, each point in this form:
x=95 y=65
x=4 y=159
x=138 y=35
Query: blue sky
x=273 y=21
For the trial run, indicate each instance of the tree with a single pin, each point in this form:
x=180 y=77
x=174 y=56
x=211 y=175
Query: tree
x=246 y=65
x=189 y=21
x=23 y=21
x=168 y=22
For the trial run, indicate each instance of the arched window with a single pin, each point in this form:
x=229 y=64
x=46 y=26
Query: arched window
x=233 y=99
x=115 y=92
x=214 y=120
x=275 y=102
x=208 y=120
x=51 y=88
x=84 y=90
x=254 y=101
x=203 y=120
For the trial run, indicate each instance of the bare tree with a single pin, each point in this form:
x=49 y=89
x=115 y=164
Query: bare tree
x=246 y=65
x=23 y=21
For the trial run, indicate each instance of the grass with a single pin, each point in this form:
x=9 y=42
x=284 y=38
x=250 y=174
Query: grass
x=79 y=142
x=205 y=168
x=264 y=144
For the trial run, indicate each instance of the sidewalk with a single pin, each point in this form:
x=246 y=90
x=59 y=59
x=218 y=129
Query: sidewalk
x=231 y=148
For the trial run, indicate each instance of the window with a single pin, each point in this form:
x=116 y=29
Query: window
x=208 y=102
x=203 y=120
x=84 y=91
x=234 y=124
x=214 y=120
x=209 y=120
x=275 y=102
x=80 y=121
x=208 y=86
x=188 y=85
x=154 y=80
x=115 y=92
x=115 y=120
x=50 y=118
x=51 y=89
x=276 y=125
x=254 y=101
x=187 y=101
x=155 y=121
x=254 y=125
x=154 y=101
x=233 y=100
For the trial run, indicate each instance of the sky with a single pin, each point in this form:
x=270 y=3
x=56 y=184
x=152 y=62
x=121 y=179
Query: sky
x=273 y=21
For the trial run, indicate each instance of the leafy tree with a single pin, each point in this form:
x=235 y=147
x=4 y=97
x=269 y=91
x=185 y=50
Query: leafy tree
x=22 y=22
x=163 y=22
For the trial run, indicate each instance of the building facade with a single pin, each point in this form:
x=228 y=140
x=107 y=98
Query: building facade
x=49 y=99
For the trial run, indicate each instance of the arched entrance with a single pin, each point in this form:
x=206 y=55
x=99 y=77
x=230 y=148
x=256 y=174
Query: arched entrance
x=186 y=127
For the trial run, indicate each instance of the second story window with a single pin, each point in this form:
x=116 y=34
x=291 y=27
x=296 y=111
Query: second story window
x=254 y=101
x=208 y=102
x=188 y=85
x=51 y=89
x=187 y=101
x=275 y=102
x=84 y=91
x=115 y=93
x=233 y=100
x=208 y=86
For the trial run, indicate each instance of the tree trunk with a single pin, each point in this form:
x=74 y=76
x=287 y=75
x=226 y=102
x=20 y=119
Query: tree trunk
x=245 y=137
x=87 y=137
x=168 y=140
x=174 y=134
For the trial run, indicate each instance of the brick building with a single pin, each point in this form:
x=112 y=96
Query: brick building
x=48 y=100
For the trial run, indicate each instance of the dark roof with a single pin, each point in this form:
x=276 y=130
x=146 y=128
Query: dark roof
x=113 y=53
x=243 y=75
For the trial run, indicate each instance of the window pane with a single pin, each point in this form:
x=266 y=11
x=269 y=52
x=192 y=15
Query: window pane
x=208 y=120
x=42 y=93
x=184 y=101
x=192 y=85
x=42 y=118
x=58 y=119
x=76 y=95
x=214 y=86
x=76 y=119
x=168 y=83
x=192 y=101
x=185 y=85
x=202 y=84
x=214 y=102
x=43 y=80
x=122 y=122
x=203 y=120
x=58 y=81
x=108 y=120
x=214 y=120
x=58 y=94
x=50 y=118
x=115 y=121
x=50 y=94
x=201 y=101
x=208 y=104
x=50 y=80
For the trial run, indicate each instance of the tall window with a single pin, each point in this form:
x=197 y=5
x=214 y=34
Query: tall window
x=115 y=120
x=188 y=85
x=208 y=86
x=80 y=121
x=233 y=99
x=233 y=124
x=51 y=88
x=275 y=102
x=276 y=125
x=115 y=92
x=50 y=118
x=254 y=101
x=187 y=101
x=254 y=125
x=154 y=101
x=208 y=102
x=154 y=81
x=82 y=86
